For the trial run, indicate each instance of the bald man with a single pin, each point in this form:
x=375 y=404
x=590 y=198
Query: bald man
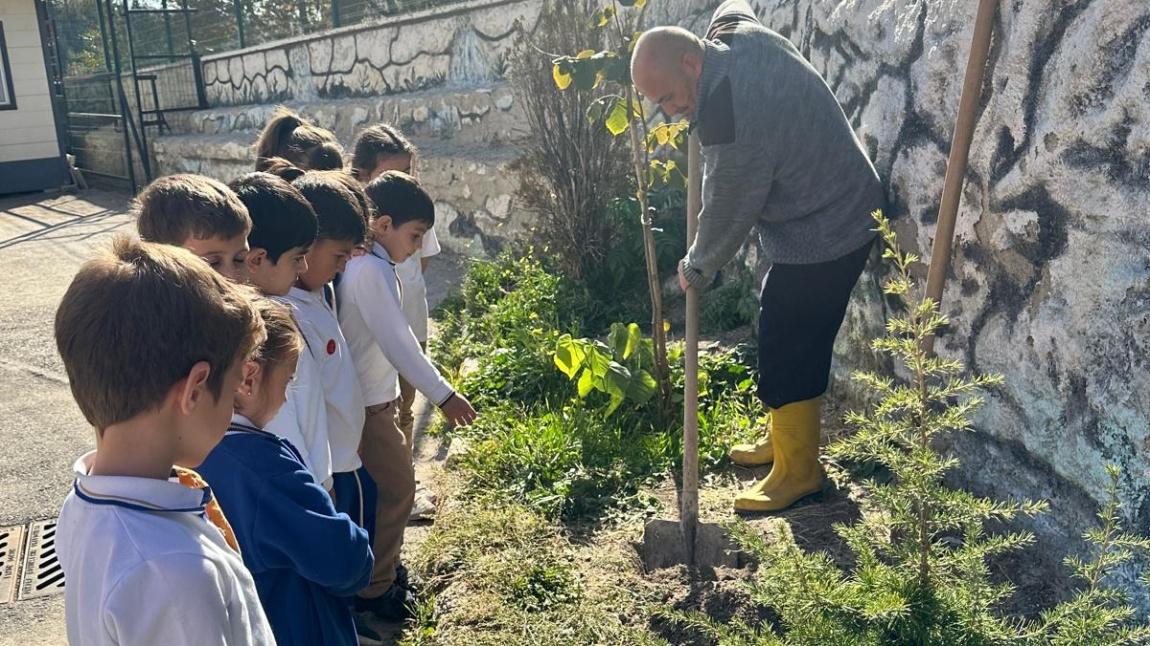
x=778 y=153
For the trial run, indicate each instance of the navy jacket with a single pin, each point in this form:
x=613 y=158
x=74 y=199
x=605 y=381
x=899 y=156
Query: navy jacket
x=303 y=555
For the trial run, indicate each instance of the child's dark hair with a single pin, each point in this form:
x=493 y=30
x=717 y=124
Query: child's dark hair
x=375 y=144
x=300 y=142
x=284 y=339
x=177 y=207
x=400 y=196
x=281 y=167
x=281 y=217
x=339 y=211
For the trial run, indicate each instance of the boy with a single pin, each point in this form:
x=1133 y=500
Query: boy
x=154 y=343
x=199 y=214
x=303 y=554
x=283 y=229
x=342 y=226
x=383 y=347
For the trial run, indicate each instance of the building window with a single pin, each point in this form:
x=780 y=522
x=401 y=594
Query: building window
x=7 y=97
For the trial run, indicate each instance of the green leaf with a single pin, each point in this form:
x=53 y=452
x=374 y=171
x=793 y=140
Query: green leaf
x=569 y=357
x=634 y=340
x=636 y=4
x=586 y=383
x=585 y=72
x=617 y=339
x=617 y=121
x=642 y=387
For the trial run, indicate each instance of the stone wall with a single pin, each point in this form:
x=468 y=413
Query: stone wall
x=1050 y=284
x=465 y=43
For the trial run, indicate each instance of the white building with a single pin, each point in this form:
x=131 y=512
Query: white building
x=31 y=131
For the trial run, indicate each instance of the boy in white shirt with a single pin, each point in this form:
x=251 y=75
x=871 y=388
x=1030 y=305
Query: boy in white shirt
x=153 y=342
x=383 y=348
x=283 y=230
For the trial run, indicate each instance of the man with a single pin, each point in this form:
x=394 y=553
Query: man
x=779 y=153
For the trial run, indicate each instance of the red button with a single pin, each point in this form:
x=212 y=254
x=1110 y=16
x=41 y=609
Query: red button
x=331 y=346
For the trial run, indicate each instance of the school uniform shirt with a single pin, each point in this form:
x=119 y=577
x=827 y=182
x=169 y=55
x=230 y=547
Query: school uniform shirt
x=342 y=395
x=303 y=554
x=144 y=566
x=382 y=344
x=302 y=420
x=414 y=292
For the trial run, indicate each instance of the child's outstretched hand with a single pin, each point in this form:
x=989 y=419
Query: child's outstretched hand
x=458 y=410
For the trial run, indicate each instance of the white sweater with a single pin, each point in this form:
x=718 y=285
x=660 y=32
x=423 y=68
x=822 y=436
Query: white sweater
x=303 y=418
x=414 y=294
x=144 y=566
x=377 y=332
x=341 y=390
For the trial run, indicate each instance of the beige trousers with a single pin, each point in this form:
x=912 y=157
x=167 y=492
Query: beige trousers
x=386 y=453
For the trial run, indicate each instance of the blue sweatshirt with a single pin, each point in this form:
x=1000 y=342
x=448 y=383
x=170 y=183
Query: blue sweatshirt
x=303 y=555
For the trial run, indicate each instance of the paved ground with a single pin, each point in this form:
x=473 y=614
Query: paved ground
x=43 y=241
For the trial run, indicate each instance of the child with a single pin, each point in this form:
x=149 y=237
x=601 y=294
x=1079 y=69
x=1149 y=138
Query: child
x=283 y=229
x=199 y=214
x=342 y=225
x=378 y=149
x=154 y=343
x=383 y=347
x=297 y=140
x=303 y=554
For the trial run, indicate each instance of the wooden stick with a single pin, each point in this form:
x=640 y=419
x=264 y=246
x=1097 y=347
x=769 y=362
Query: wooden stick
x=689 y=512
x=959 y=154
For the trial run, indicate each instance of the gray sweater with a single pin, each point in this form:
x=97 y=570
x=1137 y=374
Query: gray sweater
x=778 y=152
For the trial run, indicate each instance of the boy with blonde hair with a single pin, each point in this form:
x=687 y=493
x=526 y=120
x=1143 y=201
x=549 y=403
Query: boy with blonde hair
x=153 y=343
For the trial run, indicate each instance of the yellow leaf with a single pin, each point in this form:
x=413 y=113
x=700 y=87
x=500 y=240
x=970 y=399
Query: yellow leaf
x=562 y=79
x=587 y=53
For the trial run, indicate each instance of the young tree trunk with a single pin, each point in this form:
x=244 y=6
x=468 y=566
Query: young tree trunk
x=658 y=334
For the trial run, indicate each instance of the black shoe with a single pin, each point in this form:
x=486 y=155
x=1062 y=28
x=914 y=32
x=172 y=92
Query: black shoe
x=366 y=634
x=406 y=580
x=393 y=606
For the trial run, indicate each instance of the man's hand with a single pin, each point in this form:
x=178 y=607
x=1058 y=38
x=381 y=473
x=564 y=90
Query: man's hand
x=458 y=410
x=683 y=279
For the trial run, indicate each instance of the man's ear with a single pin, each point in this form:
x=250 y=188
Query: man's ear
x=693 y=63
x=256 y=257
x=193 y=389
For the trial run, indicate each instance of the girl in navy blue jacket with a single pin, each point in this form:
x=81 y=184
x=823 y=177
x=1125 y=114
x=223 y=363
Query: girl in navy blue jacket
x=305 y=557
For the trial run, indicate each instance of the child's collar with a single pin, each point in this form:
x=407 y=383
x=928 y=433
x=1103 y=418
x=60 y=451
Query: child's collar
x=140 y=494
x=379 y=251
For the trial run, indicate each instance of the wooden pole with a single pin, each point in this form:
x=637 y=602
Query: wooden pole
x=959 y=153
x=689 y=512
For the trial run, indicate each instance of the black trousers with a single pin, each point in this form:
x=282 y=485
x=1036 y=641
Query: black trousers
x=802 y=310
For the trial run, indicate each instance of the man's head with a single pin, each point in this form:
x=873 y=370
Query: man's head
x=665 y=68
x=149 y=328
x=283 y=229
x=404 y=213
x=339 y=205
x=199 y=214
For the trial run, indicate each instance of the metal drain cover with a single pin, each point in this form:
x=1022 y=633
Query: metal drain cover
x=11 y=547
x=43 y=575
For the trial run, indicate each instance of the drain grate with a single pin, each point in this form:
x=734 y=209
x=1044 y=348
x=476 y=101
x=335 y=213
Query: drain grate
x=11 y=544
x=43 y=575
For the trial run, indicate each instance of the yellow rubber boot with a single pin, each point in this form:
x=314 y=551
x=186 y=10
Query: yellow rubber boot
x=795 y=430
x=756 y=453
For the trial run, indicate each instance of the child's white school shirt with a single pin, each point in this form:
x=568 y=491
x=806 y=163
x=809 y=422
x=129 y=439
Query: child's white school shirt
x=341 y=390
x=303 y=418
x=382 y=344
x=144 y=566
x=414 y=296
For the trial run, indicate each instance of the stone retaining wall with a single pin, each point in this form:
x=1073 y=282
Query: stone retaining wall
x=1050 y=284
